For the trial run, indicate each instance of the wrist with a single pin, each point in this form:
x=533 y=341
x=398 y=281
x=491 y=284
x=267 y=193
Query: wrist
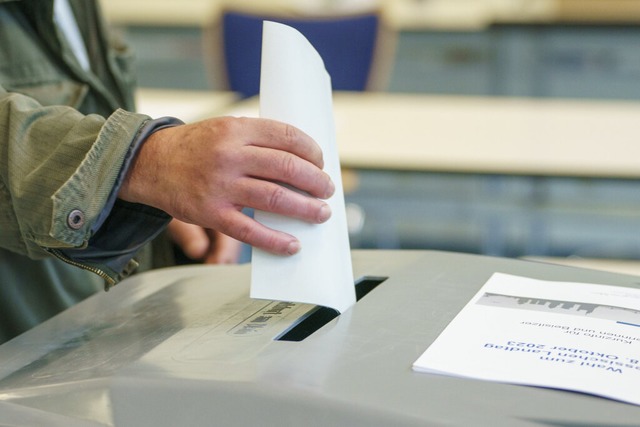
x=142 y=170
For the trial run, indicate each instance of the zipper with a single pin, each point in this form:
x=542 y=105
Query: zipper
x=109 y=281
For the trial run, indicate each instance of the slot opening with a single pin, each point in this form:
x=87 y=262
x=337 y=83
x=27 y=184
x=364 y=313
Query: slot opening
x=319 y=316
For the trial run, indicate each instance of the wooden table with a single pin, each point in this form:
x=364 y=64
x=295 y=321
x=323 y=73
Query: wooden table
x=484 y=135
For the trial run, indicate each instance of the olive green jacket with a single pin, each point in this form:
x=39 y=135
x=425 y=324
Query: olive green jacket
x=66 y=137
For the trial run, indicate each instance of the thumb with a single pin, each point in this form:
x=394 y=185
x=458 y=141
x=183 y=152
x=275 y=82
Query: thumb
x=191 y=239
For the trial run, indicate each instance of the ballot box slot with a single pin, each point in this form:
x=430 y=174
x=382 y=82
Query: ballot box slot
x=319 y=316
x=366 y=284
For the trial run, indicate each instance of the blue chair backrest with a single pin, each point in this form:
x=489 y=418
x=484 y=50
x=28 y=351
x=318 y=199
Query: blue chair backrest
x=346 y=45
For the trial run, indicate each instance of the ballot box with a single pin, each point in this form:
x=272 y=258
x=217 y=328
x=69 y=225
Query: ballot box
x=187 y=346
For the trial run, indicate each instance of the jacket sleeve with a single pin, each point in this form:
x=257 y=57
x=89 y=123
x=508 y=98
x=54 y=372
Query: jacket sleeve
x=60 y=172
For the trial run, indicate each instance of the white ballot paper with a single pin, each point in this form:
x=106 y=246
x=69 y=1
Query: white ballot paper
x=571 y=336
x=295 y=88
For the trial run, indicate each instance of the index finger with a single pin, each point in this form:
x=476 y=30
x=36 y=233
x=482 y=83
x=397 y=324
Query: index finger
x=282 y=136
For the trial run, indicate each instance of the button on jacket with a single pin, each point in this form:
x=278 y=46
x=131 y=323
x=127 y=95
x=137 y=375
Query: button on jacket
x=66 y=137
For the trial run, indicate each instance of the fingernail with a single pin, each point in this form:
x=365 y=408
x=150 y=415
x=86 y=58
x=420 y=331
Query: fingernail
x=293 y=248
x=324 y=214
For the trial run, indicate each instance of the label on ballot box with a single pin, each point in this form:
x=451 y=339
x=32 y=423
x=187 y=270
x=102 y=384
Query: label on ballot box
x=571 y=336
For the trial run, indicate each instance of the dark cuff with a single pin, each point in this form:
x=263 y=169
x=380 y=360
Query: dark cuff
x=125 y=231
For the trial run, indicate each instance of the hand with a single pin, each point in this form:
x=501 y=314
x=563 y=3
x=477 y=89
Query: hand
x=205 y=173
x=205 y=245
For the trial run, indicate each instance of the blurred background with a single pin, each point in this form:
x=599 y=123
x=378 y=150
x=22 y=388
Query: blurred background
x=581 y=50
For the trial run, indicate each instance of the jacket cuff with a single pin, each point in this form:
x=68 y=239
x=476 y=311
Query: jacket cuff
x=123 y=228
x=145 y=132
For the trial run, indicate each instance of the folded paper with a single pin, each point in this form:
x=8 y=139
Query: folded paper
x=295 y=88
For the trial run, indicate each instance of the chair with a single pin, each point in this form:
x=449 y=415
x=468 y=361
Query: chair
x=347 y=45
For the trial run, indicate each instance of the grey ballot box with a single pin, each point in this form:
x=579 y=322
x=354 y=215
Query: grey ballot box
x=187 y=346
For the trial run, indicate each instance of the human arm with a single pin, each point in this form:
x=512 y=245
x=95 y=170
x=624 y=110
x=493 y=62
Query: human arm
x=58 y=164
x=57 y=161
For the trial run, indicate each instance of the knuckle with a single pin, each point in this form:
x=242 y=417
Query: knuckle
x=289 y=168
x=244 y=234
x=276 y=199
x=227 y=124
x=273 y=244
x=225 y=128
x=290 y=135
x=225 y=223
